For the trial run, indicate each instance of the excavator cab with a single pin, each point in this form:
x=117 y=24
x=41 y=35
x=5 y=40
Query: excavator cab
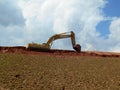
x=47 y=46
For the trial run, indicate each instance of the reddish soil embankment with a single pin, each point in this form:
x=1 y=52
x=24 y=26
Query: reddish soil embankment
x=22 y=49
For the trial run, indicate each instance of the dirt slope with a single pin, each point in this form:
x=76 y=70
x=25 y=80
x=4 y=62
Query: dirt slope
x=22 y=49
x=21 y=69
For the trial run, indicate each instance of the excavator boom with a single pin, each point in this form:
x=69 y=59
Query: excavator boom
x=47 y=46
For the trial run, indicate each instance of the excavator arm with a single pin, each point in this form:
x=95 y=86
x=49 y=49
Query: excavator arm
x=65 y=35
x=61 y=36
x=47 y=46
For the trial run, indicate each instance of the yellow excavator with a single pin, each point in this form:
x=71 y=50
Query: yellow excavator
x=47 y=46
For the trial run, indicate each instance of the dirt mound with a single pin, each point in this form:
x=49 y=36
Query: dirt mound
x=14 y=49
x=22 y=49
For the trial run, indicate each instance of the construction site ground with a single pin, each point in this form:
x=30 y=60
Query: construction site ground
x=22 y=69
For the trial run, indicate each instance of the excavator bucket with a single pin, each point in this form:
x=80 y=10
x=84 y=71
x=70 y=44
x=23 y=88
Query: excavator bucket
x=77 y=47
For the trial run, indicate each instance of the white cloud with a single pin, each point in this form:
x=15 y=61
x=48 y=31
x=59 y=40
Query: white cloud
x=115 y=48
x=11 y=35
x=47 y=17
x=114 y=37
x=10 y=14
x=11 y=23
x=115 y=29
x=43 y=18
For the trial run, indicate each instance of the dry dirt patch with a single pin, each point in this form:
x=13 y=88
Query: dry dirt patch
x=58 y=72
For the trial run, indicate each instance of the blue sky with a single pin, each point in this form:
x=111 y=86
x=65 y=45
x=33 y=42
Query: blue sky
x=111 y=9
x=96 y=23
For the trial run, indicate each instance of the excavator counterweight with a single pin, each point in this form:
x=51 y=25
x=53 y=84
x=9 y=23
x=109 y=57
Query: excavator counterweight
x=47 y=46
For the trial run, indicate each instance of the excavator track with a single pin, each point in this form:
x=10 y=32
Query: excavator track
x=38 y=49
